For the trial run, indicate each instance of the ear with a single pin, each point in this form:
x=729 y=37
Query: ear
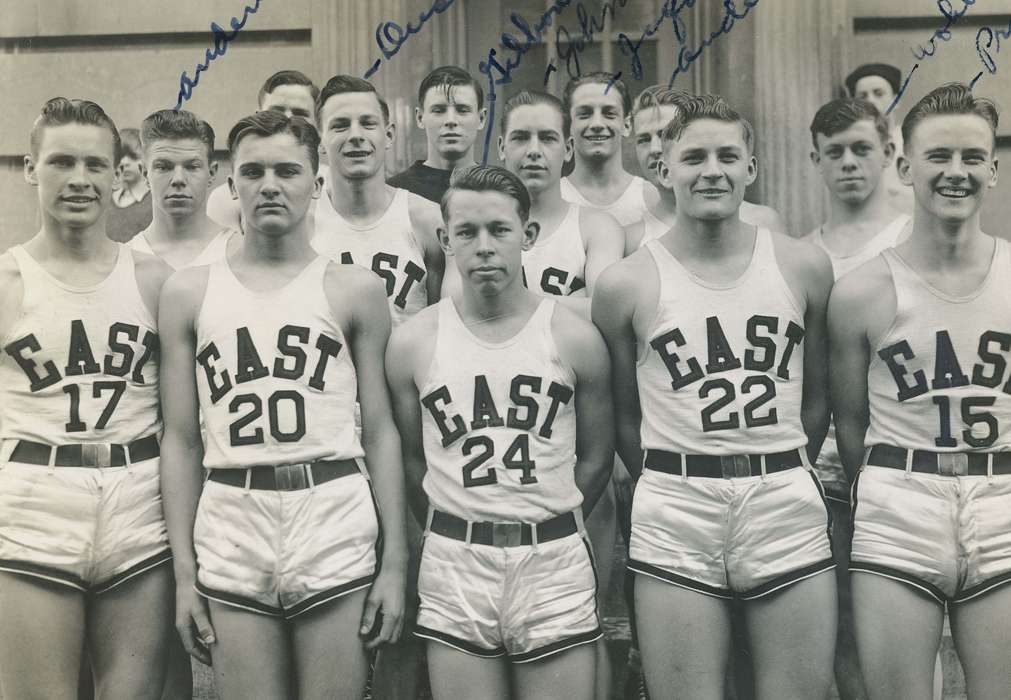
x=993 y=173
x=570 y=149
x=530 y=233
x=482 y=117
x=442 y=235
x=890 y=152
x=663 y=173
x=815 y=159
x=317 y=187
x=231 y=188
x=501 y=148
x=31 y=177
x=626 y=126
x=752 y=169
x=418 y=115
x=213 y=170
x=391 y=134
x=905 y=171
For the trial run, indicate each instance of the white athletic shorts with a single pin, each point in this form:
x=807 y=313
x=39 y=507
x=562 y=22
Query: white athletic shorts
x=526 y=602
x=947 y=536
x=282 y=553
x=84 y=527
x=741 y=537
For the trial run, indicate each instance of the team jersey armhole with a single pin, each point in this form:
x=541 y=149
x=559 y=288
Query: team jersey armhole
x=198 y=314
x=549 y=338
x=791 y=297
x=427 y=383
x=128 y=258
x=642 y=353
x=875 y=344
x=24 y=304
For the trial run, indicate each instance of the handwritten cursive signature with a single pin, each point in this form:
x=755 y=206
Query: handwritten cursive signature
x=221 y=41
x=499 y=74
x=569 y=47
x=390 y=36
x=993 y=39
x=921 y=52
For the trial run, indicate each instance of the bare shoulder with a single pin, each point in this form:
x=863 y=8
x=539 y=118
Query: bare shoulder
x=865 y=288
x=762 y=215
x=11 y=292
x=579 y=343
x=412 y=345
x=346 y=284
x=802 y=261
x=625 y=277
x=417 y=330
x=152 y=272
x=424 y=213
x=186 y=287
x=10 y=273
x=592 y=220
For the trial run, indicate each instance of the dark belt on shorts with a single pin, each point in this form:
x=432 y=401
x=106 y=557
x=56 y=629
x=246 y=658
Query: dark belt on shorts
x=286 y=477
x=721 y=466
x=942 y=463
x=502 y=534
x=102 y=454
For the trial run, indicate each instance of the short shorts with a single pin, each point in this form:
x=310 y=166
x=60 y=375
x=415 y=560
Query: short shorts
x=740 y=537
x=830 y=470
x=84 y=527
x=947 y=536
x=525 y=602
x=282 y=553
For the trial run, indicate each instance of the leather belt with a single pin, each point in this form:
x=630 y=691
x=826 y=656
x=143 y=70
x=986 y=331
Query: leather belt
x=502 y=534
x=286 y=477
x=99 y=454
x=721 y=466
x=942 y=463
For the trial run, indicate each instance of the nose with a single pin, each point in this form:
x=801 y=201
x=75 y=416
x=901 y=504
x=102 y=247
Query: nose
x=711 y=168
x=596 y=121
x=178 y=176
x=269 y=184
x=79 y=177
x=655 y=145
x=849 y=160
x=956 y=169
x=484 y=243
x=452 y=117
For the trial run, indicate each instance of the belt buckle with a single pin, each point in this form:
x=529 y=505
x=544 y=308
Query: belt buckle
x=290 y=477
x=952 y=464
x=506 y=534
x=96 y=454
x=735 y=466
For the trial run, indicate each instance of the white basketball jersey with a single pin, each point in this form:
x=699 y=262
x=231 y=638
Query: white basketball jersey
x=499 y=423
x=723 y=369
x=388 y=247
x=842 y=264
x=888 y=237
x=938 y=380
x=80 y=364
x=556 y=265
x=213 y=251
x=627 y=208
x=274 y=373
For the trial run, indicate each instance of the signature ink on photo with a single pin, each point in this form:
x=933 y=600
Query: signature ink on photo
x=984 y=51
x=221 y=41
x=391 y=33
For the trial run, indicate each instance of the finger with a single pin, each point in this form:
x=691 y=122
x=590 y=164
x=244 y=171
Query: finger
x=388 y=628
x=205 y=631
x=368 y=616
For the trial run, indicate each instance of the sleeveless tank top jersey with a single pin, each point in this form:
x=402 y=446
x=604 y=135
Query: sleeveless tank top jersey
x=888 y=237
x=213 y=251
x=388 y=247
x=627 y=208
x=499 y=423
x=723 y=371
x=556 y=265
x=274 y=373
x=80 y=364
x=938 y=380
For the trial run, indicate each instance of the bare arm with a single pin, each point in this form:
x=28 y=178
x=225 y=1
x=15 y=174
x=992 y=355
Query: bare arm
x=815 y=412
x=369 y=333
x=634 y=233
x=426 y=219
x=613 y=311
x=182 y=450
x=582 y=348
x=12 y=293
x=401 y=356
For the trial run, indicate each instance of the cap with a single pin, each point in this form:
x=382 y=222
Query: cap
x=889 y=73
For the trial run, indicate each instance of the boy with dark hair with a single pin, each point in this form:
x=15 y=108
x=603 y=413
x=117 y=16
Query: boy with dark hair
x=451 y=112
x=278 y=576
x=83 y=545
x=503 y=399
x=131 y=212
x=920 y=336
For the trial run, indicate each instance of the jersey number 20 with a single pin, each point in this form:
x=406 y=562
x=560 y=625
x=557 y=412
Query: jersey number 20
x=255 y=436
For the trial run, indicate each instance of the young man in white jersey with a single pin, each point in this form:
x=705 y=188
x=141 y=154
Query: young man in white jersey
x=852 y=151
x=359 y=218
x=716 y=332
x=179 y=164
x=84 y=551
x=291 y=93
x=599 y=108
x=277 y=548
x=502 y=397
x=574 y=245
x=878 y=83
x=921 y=337
x=652 y=110
x=451 y=112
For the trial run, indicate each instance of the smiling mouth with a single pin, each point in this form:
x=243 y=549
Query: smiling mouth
x=953 y=192
x=79 y=200
x=711 y=192
x=598 y=138
x=357 y=154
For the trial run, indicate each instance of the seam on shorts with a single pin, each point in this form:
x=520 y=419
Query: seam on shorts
x=928 y=589
x=237 y=601
x=328 y=595
x=457 y=643
x=666 y=576
x=788 y=579
x=137 y=569
x=557 y=646
x=982 y=588
x=593 y=566
x=828 y=510
x=48 y=573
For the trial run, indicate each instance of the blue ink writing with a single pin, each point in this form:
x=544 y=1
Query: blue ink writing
x=992 y=39
x=569 y=47
x=921 y=52
x=390 y=36
x=221 y=41
x=499 y=74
